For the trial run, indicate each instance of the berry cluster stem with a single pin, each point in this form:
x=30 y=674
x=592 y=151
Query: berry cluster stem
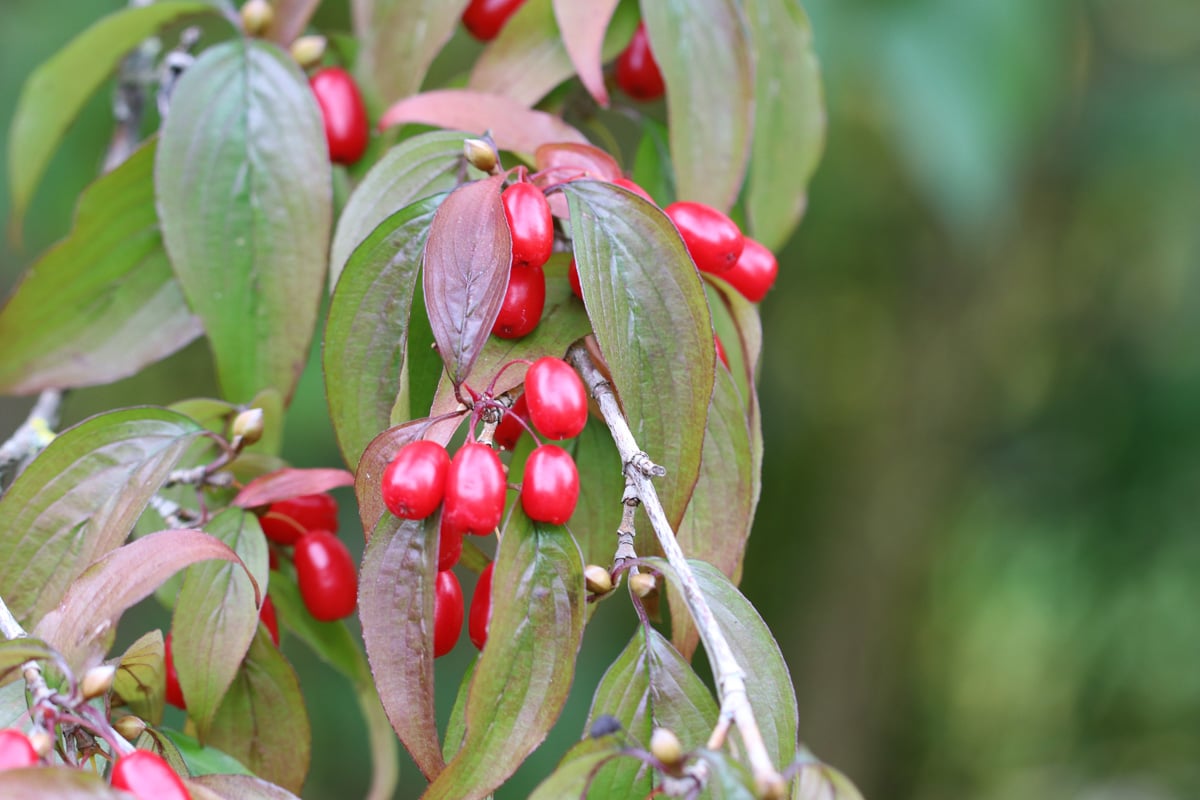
x=729 y=675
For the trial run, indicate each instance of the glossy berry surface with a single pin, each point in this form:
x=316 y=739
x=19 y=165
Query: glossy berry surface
x=481 y=608
x=556 y=398
x=447 y=613
x=573 y=279
x=721 y=351
x=550 y=488
x=714 y=240
x=524 y=300
x=754 y=273
x=147 y=776
x=326 y=576
x=509 y=431
x=637 y=71
x=625 y=183
x=346 y=128
x=450 y=546
x=475 y=489
x=16 y=750
x=530 y=224
x=414 y=483
x=174 y=694
x=268 y=617
x=288 y=520
x=483 y=19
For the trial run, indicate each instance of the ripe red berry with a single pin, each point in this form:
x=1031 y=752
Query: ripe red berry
x=268 y=617
x=345 y=115
x=481 y=608
x=754 y=273
x=288 y=520
x=174 y=692
x=551 y=485
x=625 y=183
x=475 y=487
x=483 y=19
x=509 y=431
x=414 y=483
x=637 y=71
x=573 y=279
x=450 y=546
x=326 y=576
x=530 y=224
x=147 y=776
x=524 y=300
x=16 y=750
x=721 y=351
x=713 y=239
x=556 y=398
x=447 y=613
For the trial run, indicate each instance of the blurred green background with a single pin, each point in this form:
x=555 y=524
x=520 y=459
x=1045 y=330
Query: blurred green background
x=977 y=542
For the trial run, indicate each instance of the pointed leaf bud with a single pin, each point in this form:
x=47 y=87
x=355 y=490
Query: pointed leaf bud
x=642 y=584
x=308 y=51
x=130 y=727
x=97 y=681
x=257 y=16
x=665 y=746
x=249 y=425
x=43 y=743
x=481 y=154
x=597 y=578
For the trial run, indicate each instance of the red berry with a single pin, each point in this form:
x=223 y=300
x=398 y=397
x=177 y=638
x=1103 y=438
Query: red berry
x=447 y=613
x=268 y=617
x=288 y=520
x=345 y=115
x=556 y=398
x=174 y=692
x=551 y=485
x=483 y=19
x=625 y=183
x=16 y=750
x=147 y=777
x=509 y=431
x=573 y=279
x=414 y=483
x=450 y=546
x=713 y=239
x=754 y=273
x=481 y=608
x=637 y=71
x=326 y=576
x=475 y=489
x=524 y=300
x=530 y=224
x=721 y=351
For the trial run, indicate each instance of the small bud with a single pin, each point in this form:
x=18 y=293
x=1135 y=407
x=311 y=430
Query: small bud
x=642 y=584
x=597 y=578
x=97 y=681
x=257 y=16
x=249 y=425
x=130 y=727
x=481 y=154
x=665 y=746
x=308 y=51
x=43 y=743
x=603 y=725
x=771 y=787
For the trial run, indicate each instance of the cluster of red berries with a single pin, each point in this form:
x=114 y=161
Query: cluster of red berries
x=531 y=227
x=470 y=487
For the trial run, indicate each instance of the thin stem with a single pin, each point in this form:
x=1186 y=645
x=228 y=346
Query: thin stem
x=34 y=434
x=729 y=675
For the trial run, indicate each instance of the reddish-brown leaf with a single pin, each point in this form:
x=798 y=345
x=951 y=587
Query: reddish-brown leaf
x=570 y=161
x=583 y=26
x=285 y=483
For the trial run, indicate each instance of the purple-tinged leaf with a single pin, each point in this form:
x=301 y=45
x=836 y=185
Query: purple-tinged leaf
x=818 y=781
x=240 y=787
x=291 y=482
x=583 y=26
x=83 y=625
x=513 y=126
x=216 y=615
x=568 y=162
x=395 y=605
x=245 y=201
x=291 y=18
x=467 y=260
x=80 y=498
x=525 y=670
x=572 y=777
x=103 y=303
x=400 y=39
x=366 y=335
x=58 y=782
x=15 y=652
x=379 y=453
x=703 y=51
x=262 y=721
x=141 y=678
x=652 y=323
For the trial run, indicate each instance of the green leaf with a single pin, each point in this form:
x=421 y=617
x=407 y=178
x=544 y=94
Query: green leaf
x=103 y=303
x=652 y=323
x=141 y=678
x=59 y=782
x=80 y=498
x=524 y=672
x=245 y=200
x=216 y=616
x=262 y=721
x=366 y=334
x=818 y=781
x=13 y=705
x=84 y=623
x=703 y=51
x=57 y=91
x=652 y=163
x=598 y=510
x=456 y=728
x=400 y=39
x=727 y=779
x=789 y=118
x=395 y=604
x=15 y=652
x=425 y=165
x=159 y=743
x=650 y=685
x=202 y=760
x=571 y=777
